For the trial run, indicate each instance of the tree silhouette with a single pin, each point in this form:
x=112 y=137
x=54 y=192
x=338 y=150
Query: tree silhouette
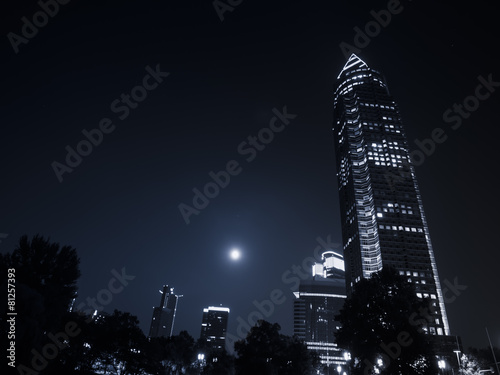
x=180 y=352
x=478 y=359
x=266 y=351
x=46 y=276
x=382 y=327
x=175 y=354
x=216 y=361
x=114 y=342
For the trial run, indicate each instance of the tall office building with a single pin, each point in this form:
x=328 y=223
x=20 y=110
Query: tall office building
x=214 y=326
x=162 y=323
x=316 y=303
x=383 y=221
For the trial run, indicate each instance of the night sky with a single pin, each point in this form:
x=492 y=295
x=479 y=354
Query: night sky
x=119 y=207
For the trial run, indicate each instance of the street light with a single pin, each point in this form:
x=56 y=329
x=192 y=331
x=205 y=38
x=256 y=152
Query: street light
x=492 y=351
x=457 y=352
x=442 y=365
x=201 y=359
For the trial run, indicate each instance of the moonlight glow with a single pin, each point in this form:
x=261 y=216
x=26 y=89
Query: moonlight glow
x=235 y=254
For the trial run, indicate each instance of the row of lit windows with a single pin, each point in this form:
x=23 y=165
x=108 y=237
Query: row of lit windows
x=378 y=163
x=392 y=206
x=376 y=155
x=376 y=105
x=425 y=295
x=349 y=87
x=379 y=214
x=415 y=274
x=377 y=147
x=406 y=229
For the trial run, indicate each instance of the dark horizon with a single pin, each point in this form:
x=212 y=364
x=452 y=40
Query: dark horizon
x=213 y=85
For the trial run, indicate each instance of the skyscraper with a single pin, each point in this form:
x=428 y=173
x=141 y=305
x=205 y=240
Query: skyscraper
x=383 y=221
x=214 y=326
x=162 y=323
x=317 y=302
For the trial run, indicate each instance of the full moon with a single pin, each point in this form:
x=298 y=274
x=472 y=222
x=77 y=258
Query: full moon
x=235 y=254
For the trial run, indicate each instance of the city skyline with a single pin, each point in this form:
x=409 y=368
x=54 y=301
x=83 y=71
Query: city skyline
x=200 y=89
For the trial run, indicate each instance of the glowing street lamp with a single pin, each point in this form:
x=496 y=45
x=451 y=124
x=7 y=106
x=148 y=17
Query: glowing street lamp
x=442 y=365
x=201 y=359
x=457 y=352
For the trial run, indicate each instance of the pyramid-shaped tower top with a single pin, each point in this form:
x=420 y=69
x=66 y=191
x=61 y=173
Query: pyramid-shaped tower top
x=353 y=62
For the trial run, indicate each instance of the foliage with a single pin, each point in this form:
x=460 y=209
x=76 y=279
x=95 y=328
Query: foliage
x=46 y=276
x=478 y=359
x=266 y=351
x=382 y=327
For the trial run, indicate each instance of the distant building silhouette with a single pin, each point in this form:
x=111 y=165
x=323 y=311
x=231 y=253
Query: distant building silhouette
x=214 y=326
x=162 y=323
x=317 y=302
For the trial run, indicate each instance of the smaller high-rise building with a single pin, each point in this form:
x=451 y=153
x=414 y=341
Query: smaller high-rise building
x=214 y=326
x=317 y=302
x=162 y=323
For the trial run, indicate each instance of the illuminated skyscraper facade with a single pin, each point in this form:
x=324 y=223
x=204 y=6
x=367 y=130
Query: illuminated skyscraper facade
x=162 y=323
x=214 y=326
x=383 y=221
x=316 y=303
